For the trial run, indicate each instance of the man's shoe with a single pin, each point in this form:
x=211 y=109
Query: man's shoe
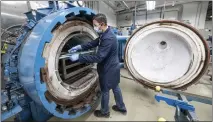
x=98 y=113
x=115 y=108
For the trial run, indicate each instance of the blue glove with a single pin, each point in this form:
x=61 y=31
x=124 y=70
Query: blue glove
x=74 y=57
x=74 y=49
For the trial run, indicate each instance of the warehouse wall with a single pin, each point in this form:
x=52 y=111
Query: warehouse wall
x=194 y=13
x=207 y=29
x=109 y=12
x=101 y=7
x=124 y=19
x=208 y=25
x=12 y=13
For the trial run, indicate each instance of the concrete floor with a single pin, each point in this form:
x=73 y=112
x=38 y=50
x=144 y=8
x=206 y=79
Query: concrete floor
x=142 y=106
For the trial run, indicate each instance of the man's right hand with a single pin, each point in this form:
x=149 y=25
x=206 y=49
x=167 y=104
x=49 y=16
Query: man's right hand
x=74 y=49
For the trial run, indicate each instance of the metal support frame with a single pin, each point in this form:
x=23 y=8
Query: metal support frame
x=184 y=110
x=135 y=15
x=65 y=67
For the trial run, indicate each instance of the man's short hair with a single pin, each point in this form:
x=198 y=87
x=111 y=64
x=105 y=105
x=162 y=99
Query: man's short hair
x=100 y=18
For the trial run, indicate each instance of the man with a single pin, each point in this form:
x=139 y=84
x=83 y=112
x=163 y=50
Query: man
x=108 y=64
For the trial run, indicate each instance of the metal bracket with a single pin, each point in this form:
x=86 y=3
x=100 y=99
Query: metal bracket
x=174 y=102
x=184 y=110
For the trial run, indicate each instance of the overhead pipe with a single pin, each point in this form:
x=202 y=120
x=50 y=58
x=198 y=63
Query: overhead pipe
x=158 y=6
x=158 y=11
x=131 y=8
x=98 y=6
x=179 y=10
x=110 y=5
x=124 y=3
x=164 y=7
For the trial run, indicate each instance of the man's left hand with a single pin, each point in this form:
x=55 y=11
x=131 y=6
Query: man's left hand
x=74 y=57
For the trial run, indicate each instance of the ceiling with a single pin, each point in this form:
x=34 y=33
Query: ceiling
x=126 y=6
x=131 y=4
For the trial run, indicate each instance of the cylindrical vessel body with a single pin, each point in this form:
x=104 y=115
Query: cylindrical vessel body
x=66 y=89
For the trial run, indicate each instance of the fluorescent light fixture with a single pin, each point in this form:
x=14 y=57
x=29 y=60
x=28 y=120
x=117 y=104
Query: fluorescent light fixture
x=150 y=5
